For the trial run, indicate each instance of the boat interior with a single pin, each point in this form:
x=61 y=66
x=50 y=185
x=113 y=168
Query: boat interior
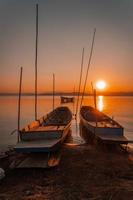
x=97 y=118
x=55 y=120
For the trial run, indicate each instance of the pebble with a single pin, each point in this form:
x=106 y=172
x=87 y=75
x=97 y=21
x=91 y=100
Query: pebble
x=2 y=173
x=28 y=193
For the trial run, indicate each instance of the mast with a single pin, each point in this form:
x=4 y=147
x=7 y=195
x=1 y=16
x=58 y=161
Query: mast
x=82 y=60
x=89 y=62
x=73 y=99
x=19 y=100
x=36 y=59
x=53 y=91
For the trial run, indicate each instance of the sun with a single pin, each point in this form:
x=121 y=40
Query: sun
x=101 y=85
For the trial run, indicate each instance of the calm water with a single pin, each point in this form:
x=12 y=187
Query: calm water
x=121 y=108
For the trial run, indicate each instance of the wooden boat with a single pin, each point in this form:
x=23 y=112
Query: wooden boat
x=102 y=126
x=67 y=99
x=47 y=133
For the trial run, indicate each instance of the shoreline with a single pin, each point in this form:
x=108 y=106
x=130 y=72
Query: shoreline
x=85 y=172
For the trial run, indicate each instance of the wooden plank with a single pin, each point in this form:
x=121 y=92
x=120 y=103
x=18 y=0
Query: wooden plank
x=40 y=160
x=34 y=161
x=37 y=146
x=47 y=128
x=104 y=124
x=111 y=138
x=39 y=143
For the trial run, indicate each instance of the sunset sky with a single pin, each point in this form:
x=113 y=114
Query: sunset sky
x=65 y=27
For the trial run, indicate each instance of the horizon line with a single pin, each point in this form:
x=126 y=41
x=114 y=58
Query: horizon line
x=67 y=93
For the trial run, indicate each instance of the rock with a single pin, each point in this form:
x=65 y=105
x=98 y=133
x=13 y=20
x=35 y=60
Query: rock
x=2 y=154
x=28 y=193
x=12 y=165
x=2 y=173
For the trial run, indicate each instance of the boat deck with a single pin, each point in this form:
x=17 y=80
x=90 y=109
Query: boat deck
x=36 y=146
x=120 y=139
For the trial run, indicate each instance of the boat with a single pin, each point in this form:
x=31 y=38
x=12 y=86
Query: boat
x=46 y=134
x=40 y=141
x=101 y=126
x=67 y=99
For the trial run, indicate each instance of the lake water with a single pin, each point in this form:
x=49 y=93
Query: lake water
x=120 y=108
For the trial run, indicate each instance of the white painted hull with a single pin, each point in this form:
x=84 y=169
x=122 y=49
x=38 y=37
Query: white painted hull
x=106 y=134
x=43 y=137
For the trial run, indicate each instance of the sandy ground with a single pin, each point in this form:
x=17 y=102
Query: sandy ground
x=85 y=172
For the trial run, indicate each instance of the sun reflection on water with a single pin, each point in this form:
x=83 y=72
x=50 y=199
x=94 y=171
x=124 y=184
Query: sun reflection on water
x=100 y=103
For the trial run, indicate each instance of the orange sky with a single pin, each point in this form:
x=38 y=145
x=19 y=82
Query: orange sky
x=64 y=29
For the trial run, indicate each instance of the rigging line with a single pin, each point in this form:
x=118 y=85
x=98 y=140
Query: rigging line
x=89 y=62
x=81 y=71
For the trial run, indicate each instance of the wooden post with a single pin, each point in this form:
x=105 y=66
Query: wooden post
x=82 y=61
x=73 y=98
x=92 y=87
x=94 y=95
x=95 y=99
x=95 y=103
x=53 y=91
x=36 y=59
x=89 y=62
x=19 y=100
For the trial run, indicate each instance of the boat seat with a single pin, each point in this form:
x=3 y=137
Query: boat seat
x=42 y=132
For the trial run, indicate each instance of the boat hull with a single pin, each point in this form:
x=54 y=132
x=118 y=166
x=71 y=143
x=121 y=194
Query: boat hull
x=105 y=134
x=45 y=137
x=43 y=145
